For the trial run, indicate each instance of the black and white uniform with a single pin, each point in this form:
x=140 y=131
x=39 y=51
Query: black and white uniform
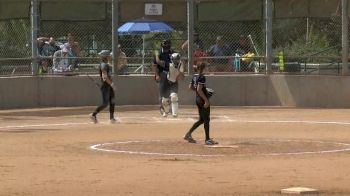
x=108 y=96
x=204 y=113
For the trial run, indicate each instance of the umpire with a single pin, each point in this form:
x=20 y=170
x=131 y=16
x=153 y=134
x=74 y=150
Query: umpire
x=107 y=88
x=161 y=62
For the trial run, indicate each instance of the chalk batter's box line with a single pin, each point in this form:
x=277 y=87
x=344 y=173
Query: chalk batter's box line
x=171 y=119
x=145 y=120
x=224 y=119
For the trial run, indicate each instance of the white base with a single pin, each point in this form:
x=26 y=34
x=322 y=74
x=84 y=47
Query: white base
x=221 y=146
x=299 y=190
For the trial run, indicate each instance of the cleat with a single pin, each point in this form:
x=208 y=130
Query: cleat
x=189 y=139
x=161 y=110
x=174 y=115
x=113 y=121
x=211 y=142
x=93 y=118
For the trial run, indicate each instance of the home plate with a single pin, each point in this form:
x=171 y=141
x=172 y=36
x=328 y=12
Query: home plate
x=222 y=146
x=299 y=190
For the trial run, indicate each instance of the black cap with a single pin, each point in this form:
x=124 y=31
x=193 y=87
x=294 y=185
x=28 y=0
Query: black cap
x=166 y=43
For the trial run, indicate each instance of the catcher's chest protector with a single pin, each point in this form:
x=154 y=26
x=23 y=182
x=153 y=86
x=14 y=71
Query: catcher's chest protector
x=174 y=72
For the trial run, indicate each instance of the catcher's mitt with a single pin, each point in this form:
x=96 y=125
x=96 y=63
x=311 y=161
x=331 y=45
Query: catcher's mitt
x=210 y=92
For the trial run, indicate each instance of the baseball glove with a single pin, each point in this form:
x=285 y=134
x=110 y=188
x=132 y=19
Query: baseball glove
x=210 y=92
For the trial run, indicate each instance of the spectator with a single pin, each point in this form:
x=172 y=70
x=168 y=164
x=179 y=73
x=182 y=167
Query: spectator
x=241 y=47
x=243 y=56
x=219 y=49
x=46 y=52
x=197 y=42
x=73 y=48
x=122 y=62
x=61 y=61
x=198 y=53
x=50 y=47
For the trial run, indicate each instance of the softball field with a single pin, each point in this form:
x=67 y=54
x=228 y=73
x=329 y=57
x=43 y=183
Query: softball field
x=58 y=151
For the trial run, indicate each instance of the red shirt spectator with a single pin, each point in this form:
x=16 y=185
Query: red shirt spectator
x=197 y=54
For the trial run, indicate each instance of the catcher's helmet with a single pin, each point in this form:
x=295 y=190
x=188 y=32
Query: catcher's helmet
x=175 y=58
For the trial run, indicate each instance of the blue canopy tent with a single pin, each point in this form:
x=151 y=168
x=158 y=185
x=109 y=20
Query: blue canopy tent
x=143 y=27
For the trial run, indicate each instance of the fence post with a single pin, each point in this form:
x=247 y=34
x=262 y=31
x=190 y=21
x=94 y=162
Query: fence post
x=190 y=23
x=34 y=35
x=115 y=41
x=268 y=35
x=345 y=43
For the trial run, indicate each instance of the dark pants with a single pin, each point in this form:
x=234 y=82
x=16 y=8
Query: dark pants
x=166 y=87
x=163 y=85
x=173 y=87
x=108 y=97
x=204 y=118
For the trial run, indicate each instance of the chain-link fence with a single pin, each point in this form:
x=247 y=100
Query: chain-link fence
x=228 y=35
x=15 y=47
x=308 y=45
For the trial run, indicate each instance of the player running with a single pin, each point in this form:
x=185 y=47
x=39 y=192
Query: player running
x=107 y=88
x=198 y=84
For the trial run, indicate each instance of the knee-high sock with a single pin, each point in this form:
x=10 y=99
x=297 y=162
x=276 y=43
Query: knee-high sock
x=195 y=126
x=111 y=110
x=99 y=108
x=206 y=129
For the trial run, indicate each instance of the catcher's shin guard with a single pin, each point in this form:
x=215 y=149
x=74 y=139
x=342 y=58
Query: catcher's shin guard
x=174 y=104
x=166 y=106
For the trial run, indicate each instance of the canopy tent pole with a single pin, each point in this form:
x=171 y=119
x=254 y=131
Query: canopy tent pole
x=143 y=54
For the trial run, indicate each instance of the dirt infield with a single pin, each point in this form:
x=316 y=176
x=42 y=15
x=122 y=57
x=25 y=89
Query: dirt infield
x=57 y=151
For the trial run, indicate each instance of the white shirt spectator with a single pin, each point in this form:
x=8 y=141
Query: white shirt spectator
x=61 y=62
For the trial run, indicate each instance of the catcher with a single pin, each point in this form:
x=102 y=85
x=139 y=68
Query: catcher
x=176 y=73
x=198 y=84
